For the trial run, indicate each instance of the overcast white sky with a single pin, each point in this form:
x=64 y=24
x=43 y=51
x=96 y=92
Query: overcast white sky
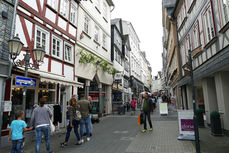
x=146 y=17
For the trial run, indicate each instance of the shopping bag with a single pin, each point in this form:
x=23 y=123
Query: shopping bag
x=140 y=119
x=52 y=127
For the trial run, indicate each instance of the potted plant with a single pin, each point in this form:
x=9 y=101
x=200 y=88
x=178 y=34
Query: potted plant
x=200 y=117
x=216 y=128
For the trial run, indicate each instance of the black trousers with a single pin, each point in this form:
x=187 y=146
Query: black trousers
x=147 y=115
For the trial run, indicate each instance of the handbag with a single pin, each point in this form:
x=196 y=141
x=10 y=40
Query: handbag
x=140 y=119
x=52 y=127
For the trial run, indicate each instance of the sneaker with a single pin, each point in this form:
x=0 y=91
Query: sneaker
x=79 y=143
x=151 y=129
x=63 y=144
x=82 y=141
x=143 y=131
x=88 y=139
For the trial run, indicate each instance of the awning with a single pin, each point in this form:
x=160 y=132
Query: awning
x=57 y=79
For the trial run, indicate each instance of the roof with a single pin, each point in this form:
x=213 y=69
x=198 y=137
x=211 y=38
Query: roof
x=129 y=23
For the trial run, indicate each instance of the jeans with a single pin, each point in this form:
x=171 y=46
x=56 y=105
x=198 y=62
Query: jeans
x=16 y=146
x=46 y=131
x=86 y=122
x=75 y=123
x=90 y=126
x=147 y=114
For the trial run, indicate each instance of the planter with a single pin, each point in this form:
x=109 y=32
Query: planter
x=216 y=128
x=200 y=117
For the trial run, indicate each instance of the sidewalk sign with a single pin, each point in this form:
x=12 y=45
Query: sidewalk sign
x=163 y=107
x=186 y=125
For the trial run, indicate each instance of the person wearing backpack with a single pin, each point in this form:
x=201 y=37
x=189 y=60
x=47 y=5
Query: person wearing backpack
x=74 y=121
x=147 y=108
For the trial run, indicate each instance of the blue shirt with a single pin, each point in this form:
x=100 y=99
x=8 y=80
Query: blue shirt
x=17 y=127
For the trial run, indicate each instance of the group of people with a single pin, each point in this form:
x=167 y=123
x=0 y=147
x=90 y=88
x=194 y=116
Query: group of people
x=78 y=115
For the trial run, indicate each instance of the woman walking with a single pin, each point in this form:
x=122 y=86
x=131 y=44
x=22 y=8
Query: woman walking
x=74 y=121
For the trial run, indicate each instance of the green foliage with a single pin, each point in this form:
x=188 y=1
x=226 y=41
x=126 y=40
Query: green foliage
x=215 y=114
x=87 y=58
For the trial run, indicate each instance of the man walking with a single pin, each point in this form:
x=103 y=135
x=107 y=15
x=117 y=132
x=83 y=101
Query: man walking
x=85 y=107
x=147 y=107
x=41 y=121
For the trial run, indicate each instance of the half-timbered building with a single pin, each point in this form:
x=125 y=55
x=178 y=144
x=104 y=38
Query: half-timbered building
x=202 y=27
x=51 y=24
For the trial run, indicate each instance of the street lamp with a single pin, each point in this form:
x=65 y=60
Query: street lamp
x=15 y=46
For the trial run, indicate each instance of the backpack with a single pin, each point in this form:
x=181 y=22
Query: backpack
x=78 y=114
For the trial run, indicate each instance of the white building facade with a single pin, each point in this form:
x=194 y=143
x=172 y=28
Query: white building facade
x=94 y=39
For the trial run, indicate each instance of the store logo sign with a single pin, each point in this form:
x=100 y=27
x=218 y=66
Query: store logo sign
x=29 y=82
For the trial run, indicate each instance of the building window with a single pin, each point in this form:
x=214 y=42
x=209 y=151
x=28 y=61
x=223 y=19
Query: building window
x=64 y=7
x=208 y=24
x=53 y=4
x=73 y=13
x=105 y=10
x=104 y=40
x=42 y=39
x=86 y=24
x=56 y=47
x=97 y=4
x=224 y=11
x=196 y=36
x=118 y=56
x=68 y=52
x=96 y=37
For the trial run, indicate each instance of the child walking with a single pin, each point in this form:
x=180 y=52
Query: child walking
x=16 y=132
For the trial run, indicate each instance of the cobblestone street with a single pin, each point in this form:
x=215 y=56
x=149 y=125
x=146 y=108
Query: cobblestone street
x=120 y=134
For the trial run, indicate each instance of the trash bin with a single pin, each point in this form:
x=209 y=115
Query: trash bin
x=216 y=128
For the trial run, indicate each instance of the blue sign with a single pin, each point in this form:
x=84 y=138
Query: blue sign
x=29 y=82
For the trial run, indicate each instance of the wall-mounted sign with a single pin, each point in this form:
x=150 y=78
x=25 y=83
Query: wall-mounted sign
x=118 y=76
x=7 y=106
x=29 y=82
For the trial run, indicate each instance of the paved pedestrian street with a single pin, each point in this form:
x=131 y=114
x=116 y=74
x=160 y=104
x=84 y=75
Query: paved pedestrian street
x=121 y=134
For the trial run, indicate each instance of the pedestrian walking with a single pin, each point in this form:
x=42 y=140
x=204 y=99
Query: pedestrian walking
x=74 y=116
x=133 y=106
x=40 y=119
x=85 y=107
x=90 y=126
x=146 y=108
x=17 y=128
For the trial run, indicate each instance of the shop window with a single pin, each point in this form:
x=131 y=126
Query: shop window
x=47 y=91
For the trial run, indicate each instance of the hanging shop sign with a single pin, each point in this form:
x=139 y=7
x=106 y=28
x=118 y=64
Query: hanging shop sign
x=186 y=125
x=23 y=81
x=118 y=77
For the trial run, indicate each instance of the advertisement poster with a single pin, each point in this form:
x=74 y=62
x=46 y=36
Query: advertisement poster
x=186 y=125
x=163 y=108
